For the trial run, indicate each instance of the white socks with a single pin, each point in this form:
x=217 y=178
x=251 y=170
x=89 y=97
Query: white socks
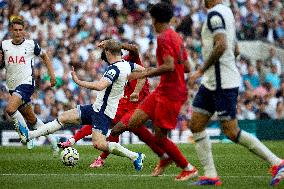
x=119 y=150
x=46 y=129
x=254 y=145
x=52 y=139
x=204 y=153
x=19 y=119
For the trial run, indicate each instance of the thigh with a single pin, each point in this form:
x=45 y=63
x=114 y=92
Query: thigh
x=204 y=101
x=70 y=117
x=137 y=119
x=226 y=103
x=166 y=113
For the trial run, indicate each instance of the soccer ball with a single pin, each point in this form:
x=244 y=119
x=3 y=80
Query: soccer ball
x=69 y=156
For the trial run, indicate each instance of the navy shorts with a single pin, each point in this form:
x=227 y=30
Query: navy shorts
x=25 y=91
x=99 y=120
x=222 y=101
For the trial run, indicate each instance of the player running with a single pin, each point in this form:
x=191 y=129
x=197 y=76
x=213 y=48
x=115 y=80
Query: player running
x=164 y=104
x=219 y=93
x=18 y=55
x=134 y=93
x=100 y=114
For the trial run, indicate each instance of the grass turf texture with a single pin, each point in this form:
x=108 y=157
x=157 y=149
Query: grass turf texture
x=36 y=168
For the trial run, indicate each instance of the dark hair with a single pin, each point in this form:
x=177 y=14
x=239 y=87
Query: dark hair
x=162 y=12
x=18 y=21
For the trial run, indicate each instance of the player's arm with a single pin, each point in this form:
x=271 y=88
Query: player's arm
x=96 y=85
x=216 y=25
x=167 y=66
x=186 y=66
x=133 y=49
x=50 y=69
x=139 y=85
x=218 y=50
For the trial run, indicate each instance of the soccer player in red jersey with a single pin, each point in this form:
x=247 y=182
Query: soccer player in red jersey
x=164 y=104
x=134 y=93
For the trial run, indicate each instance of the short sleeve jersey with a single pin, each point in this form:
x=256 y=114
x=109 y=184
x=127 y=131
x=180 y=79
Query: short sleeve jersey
x=172 y=84
x=19 y=60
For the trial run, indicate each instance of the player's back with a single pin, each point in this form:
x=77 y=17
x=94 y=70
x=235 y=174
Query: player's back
x=108 y=99
x=224 y=74
x=19 y=60
x=172 y=84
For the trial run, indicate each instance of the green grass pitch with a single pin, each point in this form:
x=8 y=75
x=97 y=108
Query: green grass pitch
x=36 y=168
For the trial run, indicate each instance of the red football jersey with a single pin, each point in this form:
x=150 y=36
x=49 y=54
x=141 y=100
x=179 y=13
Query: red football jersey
x=130 y=86
x=172 y=84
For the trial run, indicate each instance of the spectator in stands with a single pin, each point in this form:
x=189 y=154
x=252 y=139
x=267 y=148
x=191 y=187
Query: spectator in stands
x=273 y=77
x=251 y=80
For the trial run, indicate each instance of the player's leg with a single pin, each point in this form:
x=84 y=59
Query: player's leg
x=70 y=117
x=32 y=120
x=99 y=142
x=86 y=130
x=203 y=108
x=231 y=129
x=14 y=102
x=175 y=154
x=100 y=160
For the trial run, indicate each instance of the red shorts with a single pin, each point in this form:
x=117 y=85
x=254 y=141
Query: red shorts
x=161 y=110
x=124 y=113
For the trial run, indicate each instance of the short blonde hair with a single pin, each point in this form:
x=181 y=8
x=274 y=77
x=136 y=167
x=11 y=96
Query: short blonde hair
x=114 y=47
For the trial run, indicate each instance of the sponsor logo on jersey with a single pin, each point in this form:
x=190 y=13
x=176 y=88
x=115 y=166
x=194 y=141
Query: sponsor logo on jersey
x=16 y=60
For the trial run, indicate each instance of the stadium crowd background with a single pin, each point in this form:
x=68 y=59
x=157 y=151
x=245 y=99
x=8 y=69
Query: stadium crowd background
x=69 y=31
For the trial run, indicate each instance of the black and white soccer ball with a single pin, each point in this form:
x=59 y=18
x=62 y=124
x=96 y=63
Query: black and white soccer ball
x=69 y=156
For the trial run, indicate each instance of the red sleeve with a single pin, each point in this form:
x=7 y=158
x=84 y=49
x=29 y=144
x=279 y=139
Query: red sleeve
x=184 y=54
x=165 y=47
x=131 y=57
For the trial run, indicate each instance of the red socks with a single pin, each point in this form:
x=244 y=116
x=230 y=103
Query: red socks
x=146 y=136
x=84 y=131
x=172 y=150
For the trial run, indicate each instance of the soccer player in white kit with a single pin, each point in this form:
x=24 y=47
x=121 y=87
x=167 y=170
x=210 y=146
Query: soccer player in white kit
x=17 y=56
x=219 y=92
x=100 y=114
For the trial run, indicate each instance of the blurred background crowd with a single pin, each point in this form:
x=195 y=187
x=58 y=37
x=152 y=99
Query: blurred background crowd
x=69 y=31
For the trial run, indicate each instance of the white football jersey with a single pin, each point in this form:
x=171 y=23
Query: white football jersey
x=108 y=99
x=224 y=74
x=19 y=61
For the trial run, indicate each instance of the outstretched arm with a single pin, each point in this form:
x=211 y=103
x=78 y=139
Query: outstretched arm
x=50 y=69
x=96 y=85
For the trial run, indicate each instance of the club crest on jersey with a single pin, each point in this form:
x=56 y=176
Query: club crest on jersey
x=111 y=74
x=216 y=22
x=16 y=60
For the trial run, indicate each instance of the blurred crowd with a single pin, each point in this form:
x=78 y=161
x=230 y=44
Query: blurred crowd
x=69 y=31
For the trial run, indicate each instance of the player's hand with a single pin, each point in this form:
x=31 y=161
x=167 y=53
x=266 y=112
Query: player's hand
x=194 y=77
x=74 y=76
x=134 y=97
x=52 y=80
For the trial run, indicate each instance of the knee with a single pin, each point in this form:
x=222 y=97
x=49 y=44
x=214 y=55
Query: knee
x=232 y=134
x=194 y=126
